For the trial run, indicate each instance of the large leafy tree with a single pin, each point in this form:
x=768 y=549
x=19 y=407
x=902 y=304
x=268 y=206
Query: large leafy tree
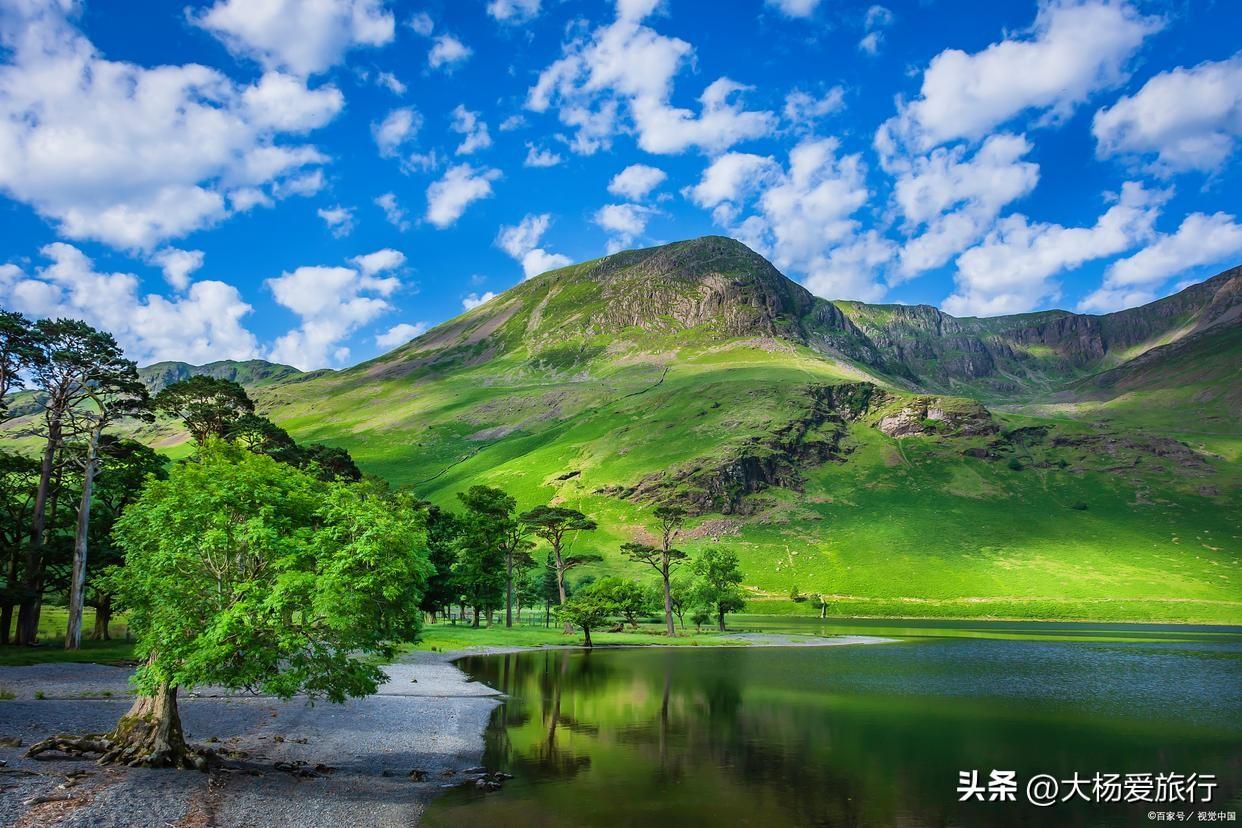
x=18 y=352
x=627 y=598
x=495 y=512
x=479 y=568
x=443 y=529
x=251 y=574
x=588 y=609
x=554 y=524
x=19 y=477
x=664 y=559
x=113 y=392
x=717 y=585
x=209 y=406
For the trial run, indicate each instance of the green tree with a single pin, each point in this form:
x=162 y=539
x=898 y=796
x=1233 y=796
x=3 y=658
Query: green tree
x=330 y=463
x=553 y=524
x=18 y=352
x=209 y=406
x=494 y=512
x=664 y=559
x=112 y=393
x=72 y=358
x=250 y=574
x=626 y=598
x=479 y=568
x=443 y=528
x=587 y=609
x=19 y=477
x=717 y=583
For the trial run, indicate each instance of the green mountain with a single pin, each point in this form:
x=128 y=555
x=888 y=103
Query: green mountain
x=252 y=373
x=902 y=460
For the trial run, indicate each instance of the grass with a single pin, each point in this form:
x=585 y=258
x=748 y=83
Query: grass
x=52 y=623
x=444 y=637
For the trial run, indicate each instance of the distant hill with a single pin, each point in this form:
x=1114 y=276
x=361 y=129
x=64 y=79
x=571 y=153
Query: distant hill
x=251 y=373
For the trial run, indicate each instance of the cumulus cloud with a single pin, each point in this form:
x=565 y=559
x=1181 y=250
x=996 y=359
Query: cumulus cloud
x=878 y=18
x=950 y=200
x=132 y=156
x=627 y=69
x=397 y=129
x=513 y=11
x=1074 y=49
x=636 y=181
x=461 y=186
x=390 y=82
x=340 y=220
x=473 y=300
x=522 y=242
x=393 y=211
x=624 y=223
x=399 y=334
x=537 y=157
x=1200 y=240
x=178 y=265
x=202 y=325
x=472 y=129
x=421 y=24
x=1187 y=118
x=447 y=53
x=381 y=261
x=802 y=109
x=1012 y=270
x=794 y=8
x=800 y=215
x=297 y=36
x=331 y=303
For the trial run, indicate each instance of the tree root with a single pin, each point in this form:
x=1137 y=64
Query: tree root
x=111 y=752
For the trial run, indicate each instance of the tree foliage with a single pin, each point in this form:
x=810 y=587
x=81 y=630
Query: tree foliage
x=210 y=407
x=717 y=583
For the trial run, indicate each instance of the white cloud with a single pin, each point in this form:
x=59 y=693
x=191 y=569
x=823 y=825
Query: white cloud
x=954 y=200
x=295 y=35
x=1188 y=118
x=801 y=217
x=522 y=242
x=636 y=181
x=178 y=265
x=448 y=52
x=340 y=220
x=202 y=325
x=391 y=82
x=1011 y=272
x=512 y=122
x=398 y=128
x=1075 y=48
x=803 y=109
x=283 y=102
x=877 y=19
x=472 y=128
x=380 y=261
x=537 y=157
x=132 y=156
x=331 y=303
x=473 y=300
x=513 y=11
x=422 y=24
x=393 y=211
x=1200 y=240
x=399 y=334
x=460 y=186
x=795 y=8
x=628 y=66
x=624 y=223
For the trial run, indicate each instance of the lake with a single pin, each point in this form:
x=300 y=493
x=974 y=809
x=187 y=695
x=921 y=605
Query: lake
x=871 y=735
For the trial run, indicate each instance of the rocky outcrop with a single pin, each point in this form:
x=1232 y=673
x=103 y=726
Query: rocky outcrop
x=812 y=437
x=933 y=415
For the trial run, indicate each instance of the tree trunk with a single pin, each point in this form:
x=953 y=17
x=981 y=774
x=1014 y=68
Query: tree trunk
x=669 y=629
x=474 y=617
x=586 y=631
x=823 y=611
x=720 y=620
x=77 y=582
x=509 y=590
x=560 y=584
x=149 y=735
x=28 y=614
x=103 y=617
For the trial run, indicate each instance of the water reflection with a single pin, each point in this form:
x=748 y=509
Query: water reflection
x=844 y=736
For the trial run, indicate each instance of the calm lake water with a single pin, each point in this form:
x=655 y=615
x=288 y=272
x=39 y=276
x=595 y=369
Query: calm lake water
x=872 y=735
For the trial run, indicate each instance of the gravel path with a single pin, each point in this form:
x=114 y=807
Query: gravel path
x=428 y=717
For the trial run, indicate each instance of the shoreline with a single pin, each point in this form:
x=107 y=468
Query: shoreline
x=368 y=748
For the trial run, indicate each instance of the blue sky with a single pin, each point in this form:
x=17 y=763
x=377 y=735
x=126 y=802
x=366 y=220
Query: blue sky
x=315 y=181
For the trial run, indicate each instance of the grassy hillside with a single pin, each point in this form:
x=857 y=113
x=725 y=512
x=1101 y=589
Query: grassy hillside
x=565 y=390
